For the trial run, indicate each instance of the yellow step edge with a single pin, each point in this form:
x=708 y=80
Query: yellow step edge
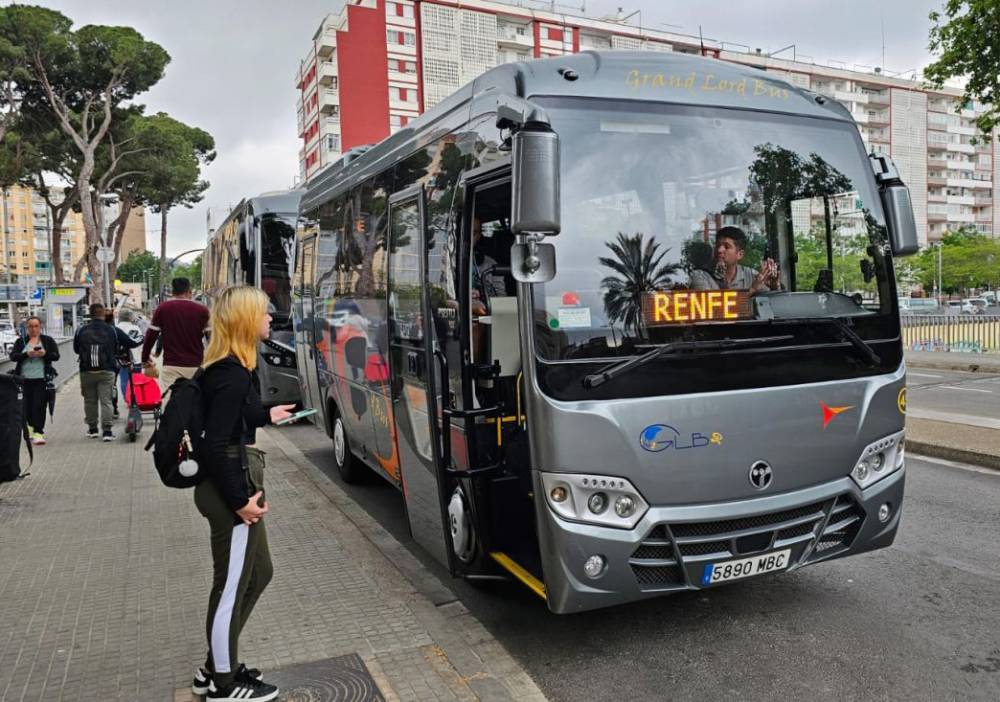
x=515 y=569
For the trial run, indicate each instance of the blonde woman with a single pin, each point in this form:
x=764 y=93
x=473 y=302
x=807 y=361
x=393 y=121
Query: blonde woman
x=231 y=497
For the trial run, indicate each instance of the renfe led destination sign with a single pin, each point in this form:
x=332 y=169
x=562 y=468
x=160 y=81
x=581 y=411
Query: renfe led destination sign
x=683 y=306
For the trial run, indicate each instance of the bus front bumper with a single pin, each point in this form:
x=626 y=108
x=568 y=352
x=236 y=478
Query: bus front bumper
x=670 y=547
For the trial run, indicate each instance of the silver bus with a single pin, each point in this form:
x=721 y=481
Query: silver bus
x=617 y=325
x=255 y=245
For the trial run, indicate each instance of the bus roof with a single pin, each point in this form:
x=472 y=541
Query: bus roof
x=650 y=76
x=286 y=201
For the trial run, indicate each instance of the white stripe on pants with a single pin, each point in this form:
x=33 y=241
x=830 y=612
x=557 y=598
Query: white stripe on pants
x=222 y=622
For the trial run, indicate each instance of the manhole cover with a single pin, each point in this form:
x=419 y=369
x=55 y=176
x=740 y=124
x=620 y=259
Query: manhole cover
x=341 y=679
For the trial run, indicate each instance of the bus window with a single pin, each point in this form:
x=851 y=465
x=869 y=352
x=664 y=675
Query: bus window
x=277 y=239
x=489 y=274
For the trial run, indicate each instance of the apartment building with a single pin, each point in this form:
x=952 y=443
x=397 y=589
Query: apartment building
x=26 y=244
x=379 y=63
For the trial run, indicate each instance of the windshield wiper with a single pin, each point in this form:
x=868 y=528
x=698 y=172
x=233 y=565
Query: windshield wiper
x=615 y=369
x=863 y=347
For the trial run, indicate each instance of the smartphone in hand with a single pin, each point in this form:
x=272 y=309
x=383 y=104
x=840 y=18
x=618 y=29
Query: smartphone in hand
x=295 y=417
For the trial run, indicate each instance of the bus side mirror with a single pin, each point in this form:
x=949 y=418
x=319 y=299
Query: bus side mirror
x=535 y=197
x=899 y=217
x=897 y=205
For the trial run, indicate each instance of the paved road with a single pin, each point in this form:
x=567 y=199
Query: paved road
x=975 y=394
x=917 y=621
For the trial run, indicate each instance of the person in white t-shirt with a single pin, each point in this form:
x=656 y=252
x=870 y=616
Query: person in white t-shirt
x=126 y=322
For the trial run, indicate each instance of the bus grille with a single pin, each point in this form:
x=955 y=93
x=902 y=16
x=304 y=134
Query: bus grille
x=820 y=530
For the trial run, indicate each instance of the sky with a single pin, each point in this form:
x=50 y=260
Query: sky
x=234 y=61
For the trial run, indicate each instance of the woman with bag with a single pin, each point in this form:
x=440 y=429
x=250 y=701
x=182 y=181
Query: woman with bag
x=34 y=354
x=231 y=497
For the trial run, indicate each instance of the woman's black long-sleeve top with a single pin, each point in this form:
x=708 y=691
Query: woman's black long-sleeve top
x=232 y=405
x=19 y=354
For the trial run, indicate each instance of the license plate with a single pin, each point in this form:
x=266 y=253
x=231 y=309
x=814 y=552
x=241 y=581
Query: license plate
x=745 y=567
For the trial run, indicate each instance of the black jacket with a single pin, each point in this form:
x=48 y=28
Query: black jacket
x=19 y=355
x=232 y=408
x=97 y=344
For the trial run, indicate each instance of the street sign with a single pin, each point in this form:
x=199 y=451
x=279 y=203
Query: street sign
x=36 y=295
x=105 y=254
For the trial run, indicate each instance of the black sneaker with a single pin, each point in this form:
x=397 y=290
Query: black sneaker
x=92 y=432
x=243 y=689
x=108 y=435
x=202 y=682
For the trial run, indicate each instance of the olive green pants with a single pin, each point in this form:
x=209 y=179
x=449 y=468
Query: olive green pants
x=96 y=388
x=241 y=566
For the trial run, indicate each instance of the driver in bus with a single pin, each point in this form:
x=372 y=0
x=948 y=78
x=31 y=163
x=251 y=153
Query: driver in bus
x=729 y=273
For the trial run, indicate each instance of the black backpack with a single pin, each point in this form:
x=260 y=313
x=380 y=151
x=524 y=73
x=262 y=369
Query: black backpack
x=13 y=428
x=97 y=343
x=177 y=437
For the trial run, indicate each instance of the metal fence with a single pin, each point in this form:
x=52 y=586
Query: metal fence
x=960 y=333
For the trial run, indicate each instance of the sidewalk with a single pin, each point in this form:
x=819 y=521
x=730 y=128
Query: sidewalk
x=944 y=360
x=954 y=437
x=106 y=572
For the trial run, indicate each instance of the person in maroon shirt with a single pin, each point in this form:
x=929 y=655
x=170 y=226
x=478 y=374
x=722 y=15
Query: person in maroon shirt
x=183 y=323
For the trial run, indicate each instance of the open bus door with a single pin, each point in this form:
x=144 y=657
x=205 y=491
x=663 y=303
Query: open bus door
x=415 y=379
x=309 y=331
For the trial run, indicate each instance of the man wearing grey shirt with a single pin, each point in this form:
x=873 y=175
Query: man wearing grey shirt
x=729 y=274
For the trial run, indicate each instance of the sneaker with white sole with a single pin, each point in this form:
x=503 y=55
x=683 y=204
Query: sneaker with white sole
x=202 y=682
x=243 y=689
x=92 y=433
x=108 y=435
x=38 y=438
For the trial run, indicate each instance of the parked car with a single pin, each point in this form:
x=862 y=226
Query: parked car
x=919 y=305
x=974 y=305
x=953 y=307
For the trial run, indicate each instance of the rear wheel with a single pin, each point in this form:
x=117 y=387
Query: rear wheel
x=348 y=466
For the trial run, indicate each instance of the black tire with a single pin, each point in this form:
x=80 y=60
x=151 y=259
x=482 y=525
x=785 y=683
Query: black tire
x=349 y=467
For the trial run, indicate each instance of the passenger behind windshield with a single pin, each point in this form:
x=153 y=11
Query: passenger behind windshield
x=728 y=273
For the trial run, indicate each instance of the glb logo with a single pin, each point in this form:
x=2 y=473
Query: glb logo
x=660 y=437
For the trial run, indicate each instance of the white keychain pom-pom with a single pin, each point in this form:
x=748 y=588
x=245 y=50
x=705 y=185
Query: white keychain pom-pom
x=188 y=467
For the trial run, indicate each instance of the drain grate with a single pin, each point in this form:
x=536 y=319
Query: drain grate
x=341 y=679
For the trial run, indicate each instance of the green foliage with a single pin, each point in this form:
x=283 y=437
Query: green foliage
x=191 y=271
x=968 y=260
x=966 y=38
x=173 y=158
x=138 y=263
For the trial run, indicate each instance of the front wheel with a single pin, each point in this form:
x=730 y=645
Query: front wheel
x=347 y=465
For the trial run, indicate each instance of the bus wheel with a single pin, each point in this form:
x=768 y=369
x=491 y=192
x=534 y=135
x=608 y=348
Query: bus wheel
x=347 y=464
x=463 y=531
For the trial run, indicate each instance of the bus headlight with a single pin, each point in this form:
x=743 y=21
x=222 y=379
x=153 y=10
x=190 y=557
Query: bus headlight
x=879 y=459
x=586 y=498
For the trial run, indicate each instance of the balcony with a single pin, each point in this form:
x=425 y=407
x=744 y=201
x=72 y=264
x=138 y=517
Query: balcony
x=960 y=165
x=961 y=148
x=850 y=96
x=961 y=200
x=879 y=118
x=326 y=43
x=983 y=201
x=936 y=197
x=328 y=98
x=328 y=73
x=878 y=98
x=509 y=36
x=937 y=217
x=937 y=180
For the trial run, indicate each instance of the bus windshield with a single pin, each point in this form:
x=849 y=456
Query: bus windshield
x=678 y=218
x=277 y=242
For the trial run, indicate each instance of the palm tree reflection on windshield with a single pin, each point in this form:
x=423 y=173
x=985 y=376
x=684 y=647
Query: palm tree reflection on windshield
x=640 y=270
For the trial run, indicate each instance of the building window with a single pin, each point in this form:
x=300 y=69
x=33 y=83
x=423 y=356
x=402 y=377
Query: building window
x=408 y=39
x=555 y=34
x=403 y=95
x=332 y=142
x=395 y=121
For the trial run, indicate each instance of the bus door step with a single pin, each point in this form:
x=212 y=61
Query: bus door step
x=519 y=572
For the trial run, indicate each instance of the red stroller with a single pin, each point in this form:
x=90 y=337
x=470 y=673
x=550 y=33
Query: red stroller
x=142 y=394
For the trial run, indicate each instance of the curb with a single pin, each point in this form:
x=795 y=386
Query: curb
x=967 y=366
x=976 y=458
x=481 y=661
